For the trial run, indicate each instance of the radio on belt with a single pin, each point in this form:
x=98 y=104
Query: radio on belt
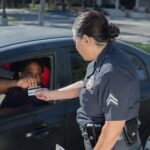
x=32 y=91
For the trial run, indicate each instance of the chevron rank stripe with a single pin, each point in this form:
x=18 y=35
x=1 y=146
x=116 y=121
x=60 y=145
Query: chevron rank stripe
x=112 y=100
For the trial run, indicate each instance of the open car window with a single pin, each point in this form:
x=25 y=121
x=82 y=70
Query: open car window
x=17 y=99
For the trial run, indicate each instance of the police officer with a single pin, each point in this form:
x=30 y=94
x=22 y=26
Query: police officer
x=109 y=93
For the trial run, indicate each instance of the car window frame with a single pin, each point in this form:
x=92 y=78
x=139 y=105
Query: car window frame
x=143 y=63
x=51 y=55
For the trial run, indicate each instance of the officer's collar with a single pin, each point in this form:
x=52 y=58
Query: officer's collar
x=104 y=54
x=95 y=64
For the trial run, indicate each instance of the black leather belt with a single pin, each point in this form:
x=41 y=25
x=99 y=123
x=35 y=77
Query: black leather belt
x=92 y=132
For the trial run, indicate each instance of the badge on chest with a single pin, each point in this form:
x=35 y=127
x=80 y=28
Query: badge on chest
x=90 y=83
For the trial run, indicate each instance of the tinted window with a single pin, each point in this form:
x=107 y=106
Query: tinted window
x=78 y=66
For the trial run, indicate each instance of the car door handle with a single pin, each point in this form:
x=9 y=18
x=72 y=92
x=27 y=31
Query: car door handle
x=39 y=132
x=42 y=131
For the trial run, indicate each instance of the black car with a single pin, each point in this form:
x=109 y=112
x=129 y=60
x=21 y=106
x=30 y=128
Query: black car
x=44 y=127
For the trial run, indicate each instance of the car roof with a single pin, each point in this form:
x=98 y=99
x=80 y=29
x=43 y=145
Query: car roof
x=11 y=35
x=17 y=35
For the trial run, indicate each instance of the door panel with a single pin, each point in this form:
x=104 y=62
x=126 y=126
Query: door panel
x=74 y=139
x=34 y=130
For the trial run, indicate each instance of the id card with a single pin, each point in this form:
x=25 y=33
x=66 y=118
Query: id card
x=32 y=91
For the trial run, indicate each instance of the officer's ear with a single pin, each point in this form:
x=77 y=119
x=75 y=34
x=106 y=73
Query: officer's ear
x=87 y=39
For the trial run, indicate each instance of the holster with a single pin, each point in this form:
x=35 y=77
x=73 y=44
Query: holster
x=130 y=131
x=91 y=132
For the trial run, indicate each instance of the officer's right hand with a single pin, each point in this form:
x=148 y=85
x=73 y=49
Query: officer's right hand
x=43 y=94
x=27 y=82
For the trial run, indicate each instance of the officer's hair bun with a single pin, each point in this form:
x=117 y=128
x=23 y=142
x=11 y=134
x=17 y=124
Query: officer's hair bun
x=113 y=31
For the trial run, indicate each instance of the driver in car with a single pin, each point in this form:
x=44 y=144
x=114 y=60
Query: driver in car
x=21 y=92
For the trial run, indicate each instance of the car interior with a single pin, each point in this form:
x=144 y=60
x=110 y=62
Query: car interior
x=11 y=70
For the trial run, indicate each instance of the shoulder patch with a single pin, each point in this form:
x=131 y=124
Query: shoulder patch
x=112 y=100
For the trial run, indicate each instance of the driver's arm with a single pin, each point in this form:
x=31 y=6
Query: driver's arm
x=6 y=84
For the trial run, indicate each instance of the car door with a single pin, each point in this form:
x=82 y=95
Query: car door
x=40 y=128
x=78 y=69
x=34 y=129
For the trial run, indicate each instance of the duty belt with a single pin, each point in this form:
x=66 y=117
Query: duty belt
x=86 y=136
x=92 y=132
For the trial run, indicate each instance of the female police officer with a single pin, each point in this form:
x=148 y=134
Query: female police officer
x=109 y=93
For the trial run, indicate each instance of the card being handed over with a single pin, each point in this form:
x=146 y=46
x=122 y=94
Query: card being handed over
x=32 y=91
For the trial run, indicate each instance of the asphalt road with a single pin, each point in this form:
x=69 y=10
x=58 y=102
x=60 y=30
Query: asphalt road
x=137 y=30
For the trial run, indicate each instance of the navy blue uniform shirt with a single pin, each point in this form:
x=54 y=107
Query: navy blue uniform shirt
x=111 y=89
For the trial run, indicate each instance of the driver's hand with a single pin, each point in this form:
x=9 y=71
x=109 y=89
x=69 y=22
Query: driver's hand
x=27 y=82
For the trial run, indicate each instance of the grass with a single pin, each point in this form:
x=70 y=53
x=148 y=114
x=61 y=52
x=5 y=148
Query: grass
x=145 y=47
x=33 y=8
x=52 y=7
x=10 y=18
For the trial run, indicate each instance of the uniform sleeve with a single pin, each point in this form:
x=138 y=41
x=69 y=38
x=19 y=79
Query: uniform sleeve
x=117 y=95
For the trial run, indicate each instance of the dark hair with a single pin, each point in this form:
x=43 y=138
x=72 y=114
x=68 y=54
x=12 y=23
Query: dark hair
x=23 y=65
x=95 y=24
